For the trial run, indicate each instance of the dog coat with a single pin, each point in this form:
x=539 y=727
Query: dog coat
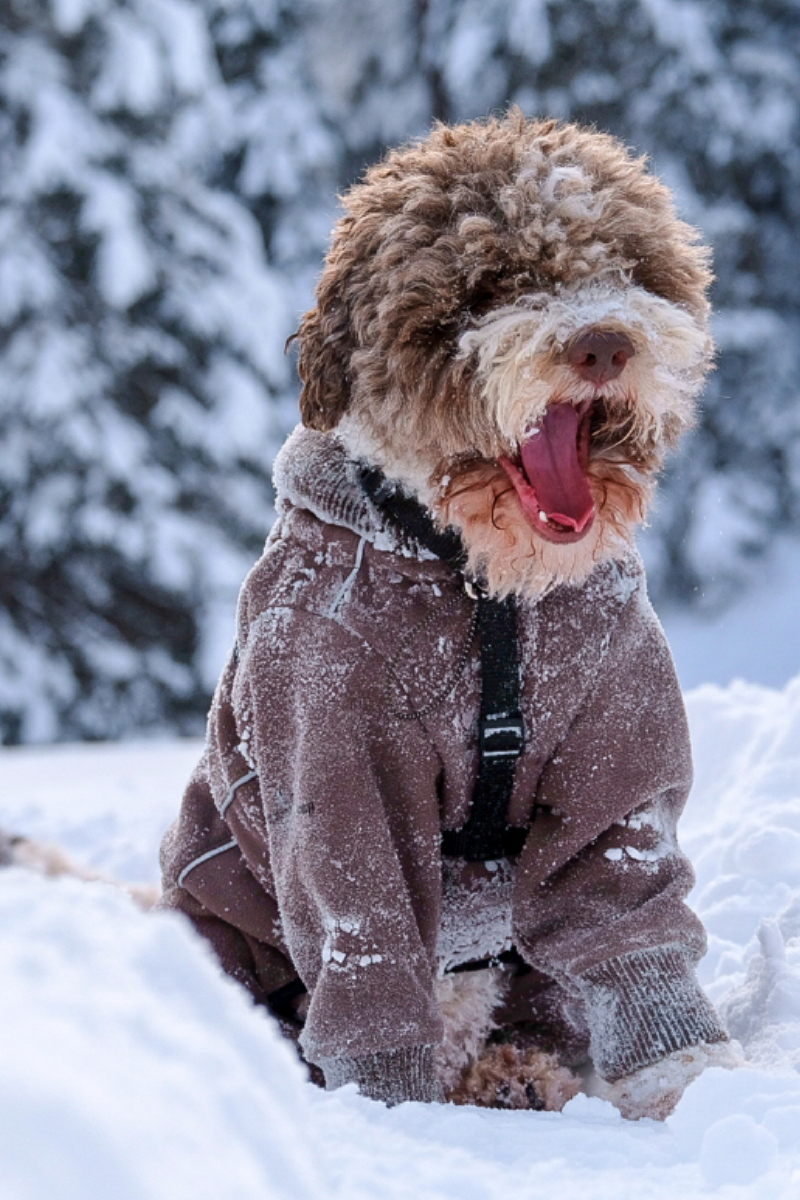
x=342 y=741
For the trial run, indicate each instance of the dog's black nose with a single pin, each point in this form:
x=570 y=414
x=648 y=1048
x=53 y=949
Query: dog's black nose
x=599 y=355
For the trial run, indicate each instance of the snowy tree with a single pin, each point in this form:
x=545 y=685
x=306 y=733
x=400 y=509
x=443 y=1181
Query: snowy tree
x=711 y=91
x=168 y=181
x=142 y=337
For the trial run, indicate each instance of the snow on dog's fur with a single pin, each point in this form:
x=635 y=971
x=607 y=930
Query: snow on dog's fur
x=472 y=1071
x=468 y=1001
x=464 y=272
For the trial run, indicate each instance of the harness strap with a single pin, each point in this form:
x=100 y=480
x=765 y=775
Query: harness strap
x=501 y=740
x=501 y=732
x=407 y=516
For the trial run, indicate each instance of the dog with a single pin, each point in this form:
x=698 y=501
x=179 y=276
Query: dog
x=434 y=828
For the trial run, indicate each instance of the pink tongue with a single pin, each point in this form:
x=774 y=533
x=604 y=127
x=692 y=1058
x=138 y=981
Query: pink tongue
x=551 y=462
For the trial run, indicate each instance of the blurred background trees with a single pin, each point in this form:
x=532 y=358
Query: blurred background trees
x=168 y=180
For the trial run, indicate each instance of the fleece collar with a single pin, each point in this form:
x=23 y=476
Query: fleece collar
x=312 y=471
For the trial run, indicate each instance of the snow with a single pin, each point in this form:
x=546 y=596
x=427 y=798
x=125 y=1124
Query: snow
x=756 y=638
x=136 y=1070
x=147 y=1075
x=125 y=270
x=168 y=182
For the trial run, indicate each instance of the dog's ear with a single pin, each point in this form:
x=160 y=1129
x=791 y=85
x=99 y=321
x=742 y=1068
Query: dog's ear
x=326 y=346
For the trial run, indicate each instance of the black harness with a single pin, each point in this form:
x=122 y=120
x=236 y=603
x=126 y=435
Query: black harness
x=501 y=731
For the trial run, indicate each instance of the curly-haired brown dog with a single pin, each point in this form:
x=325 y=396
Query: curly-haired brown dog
x=510 y=330
x=477 y=281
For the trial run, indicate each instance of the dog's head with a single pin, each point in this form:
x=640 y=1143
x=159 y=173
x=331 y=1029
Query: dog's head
x=512 y=321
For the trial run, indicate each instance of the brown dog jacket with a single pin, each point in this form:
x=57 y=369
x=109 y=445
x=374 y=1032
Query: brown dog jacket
x=342 y=740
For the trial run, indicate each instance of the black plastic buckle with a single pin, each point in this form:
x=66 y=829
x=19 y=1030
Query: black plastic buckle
x=502 y=735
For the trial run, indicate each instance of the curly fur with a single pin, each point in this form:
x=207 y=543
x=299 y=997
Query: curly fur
x=507 y=1077
x=493 y=1076
x=463 y=268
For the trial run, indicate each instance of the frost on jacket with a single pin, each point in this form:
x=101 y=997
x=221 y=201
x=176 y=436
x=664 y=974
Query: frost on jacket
x=342 y=740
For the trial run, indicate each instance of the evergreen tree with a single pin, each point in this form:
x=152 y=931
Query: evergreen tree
x=141 y=336
x=710 y=91
x=168 y=180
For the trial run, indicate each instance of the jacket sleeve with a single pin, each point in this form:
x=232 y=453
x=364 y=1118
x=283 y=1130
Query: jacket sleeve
x=603 y=880
x=352 y=818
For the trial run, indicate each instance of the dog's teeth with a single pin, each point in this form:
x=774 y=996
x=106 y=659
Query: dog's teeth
x=543 y=516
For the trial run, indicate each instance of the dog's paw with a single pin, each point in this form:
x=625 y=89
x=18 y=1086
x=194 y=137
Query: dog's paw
x=654 y=1091
x=506 y=1077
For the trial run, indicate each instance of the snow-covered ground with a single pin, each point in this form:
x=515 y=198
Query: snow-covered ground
x=131 y=1070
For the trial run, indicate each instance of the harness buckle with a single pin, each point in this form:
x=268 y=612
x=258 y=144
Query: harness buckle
x=501 y=735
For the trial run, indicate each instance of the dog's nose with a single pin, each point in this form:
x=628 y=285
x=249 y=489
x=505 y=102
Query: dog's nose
x=599 y=355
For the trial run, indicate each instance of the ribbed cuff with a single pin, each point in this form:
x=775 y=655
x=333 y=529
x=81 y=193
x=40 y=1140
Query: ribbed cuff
x=392 y=1076
x=641 y=1007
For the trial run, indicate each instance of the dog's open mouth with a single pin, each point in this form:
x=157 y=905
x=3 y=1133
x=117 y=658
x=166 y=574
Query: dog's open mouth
x=550 y=474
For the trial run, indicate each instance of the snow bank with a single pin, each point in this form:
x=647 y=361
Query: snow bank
x=130 y=1068
x=106 y=805
x=742 y=832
